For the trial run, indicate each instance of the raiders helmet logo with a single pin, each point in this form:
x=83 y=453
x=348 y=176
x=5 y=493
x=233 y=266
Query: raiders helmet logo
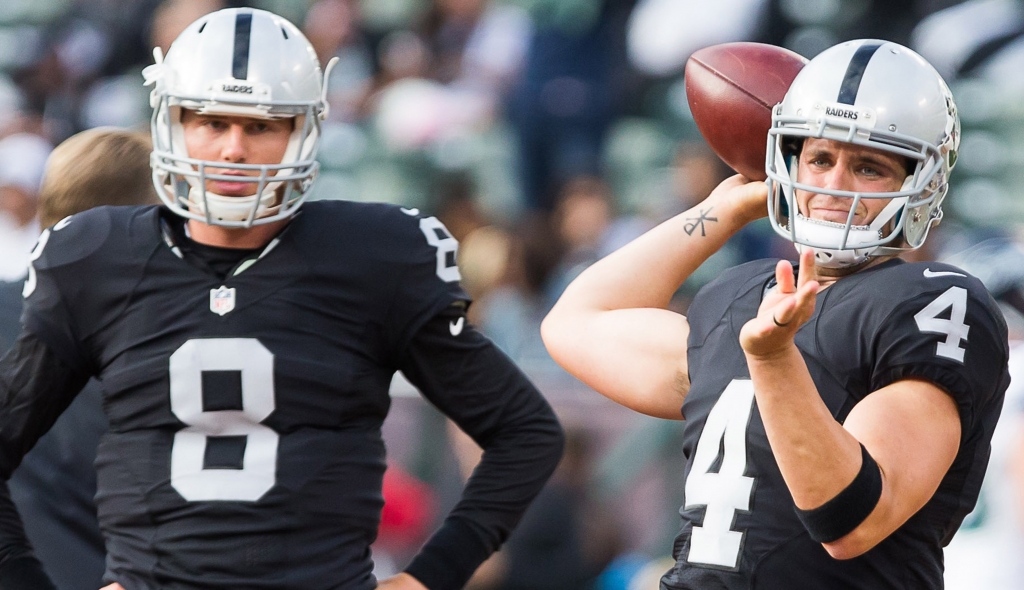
x=239 y=88
x=844 y=113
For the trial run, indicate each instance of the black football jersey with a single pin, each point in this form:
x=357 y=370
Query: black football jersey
x=244 y=448
x=870 y=329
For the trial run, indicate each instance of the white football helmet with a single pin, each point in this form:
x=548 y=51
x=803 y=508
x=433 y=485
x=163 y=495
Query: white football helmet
x=240 y=62
x=876 y=94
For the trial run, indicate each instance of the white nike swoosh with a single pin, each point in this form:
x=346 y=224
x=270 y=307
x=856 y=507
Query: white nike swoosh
x=413 y=211
x=62 y=223
x=930 y=274
x=456 y=327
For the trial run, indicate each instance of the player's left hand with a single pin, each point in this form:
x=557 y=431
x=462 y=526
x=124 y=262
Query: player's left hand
x=402 y=581
x=783 y=310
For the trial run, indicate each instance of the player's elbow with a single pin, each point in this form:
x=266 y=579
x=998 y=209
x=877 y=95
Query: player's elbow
x=556 y=331
x=854 y=544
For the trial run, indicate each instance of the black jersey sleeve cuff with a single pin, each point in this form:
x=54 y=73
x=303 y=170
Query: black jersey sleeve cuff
x=24 y=573
x=450 y=557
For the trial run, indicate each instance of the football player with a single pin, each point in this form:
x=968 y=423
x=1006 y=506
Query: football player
x=838 y=415
x=246 y=347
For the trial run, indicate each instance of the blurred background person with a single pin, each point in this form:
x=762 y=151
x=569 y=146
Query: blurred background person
x=55 y=484
x=22 y=158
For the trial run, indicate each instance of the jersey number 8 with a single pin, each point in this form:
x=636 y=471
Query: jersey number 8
x=190 y=474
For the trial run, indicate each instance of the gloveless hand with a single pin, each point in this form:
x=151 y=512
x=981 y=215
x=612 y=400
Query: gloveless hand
x=749 y=199
x=783 y=310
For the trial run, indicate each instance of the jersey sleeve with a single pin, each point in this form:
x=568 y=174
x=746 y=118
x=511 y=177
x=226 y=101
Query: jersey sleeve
x=426 y=275
x=465 y=376
x=59 y=276
x=953 y=336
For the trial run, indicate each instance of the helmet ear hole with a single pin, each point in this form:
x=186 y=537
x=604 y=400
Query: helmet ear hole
x=791 y=147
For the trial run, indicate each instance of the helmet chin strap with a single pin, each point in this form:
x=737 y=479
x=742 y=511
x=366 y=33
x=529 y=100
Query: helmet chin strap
x=232 y=208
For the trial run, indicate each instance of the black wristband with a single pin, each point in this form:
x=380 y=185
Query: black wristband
x=843 y=513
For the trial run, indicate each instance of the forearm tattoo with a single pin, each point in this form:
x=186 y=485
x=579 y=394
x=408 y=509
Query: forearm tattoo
x=696 y=222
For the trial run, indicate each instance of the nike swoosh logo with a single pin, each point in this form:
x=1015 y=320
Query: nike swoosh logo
x=412 y=212
x=62 y=223
x=456 y=327
x=930 y=274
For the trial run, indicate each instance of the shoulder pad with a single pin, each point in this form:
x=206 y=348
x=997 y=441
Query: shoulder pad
x=72 y=239
x=83 y=235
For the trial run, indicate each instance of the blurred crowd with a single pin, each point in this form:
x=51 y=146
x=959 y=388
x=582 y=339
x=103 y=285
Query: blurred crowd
x=545 y=134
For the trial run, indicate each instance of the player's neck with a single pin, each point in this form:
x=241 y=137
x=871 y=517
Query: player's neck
x=232 y=237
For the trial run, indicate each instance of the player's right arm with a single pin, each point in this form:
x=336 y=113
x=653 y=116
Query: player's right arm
x=612 y=329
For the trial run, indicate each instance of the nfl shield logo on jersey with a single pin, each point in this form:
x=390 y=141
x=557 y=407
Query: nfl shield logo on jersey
x=222 y=300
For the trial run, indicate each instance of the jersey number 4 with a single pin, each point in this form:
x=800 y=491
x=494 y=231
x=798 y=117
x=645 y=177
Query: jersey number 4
x=724 y=492
x=928 y=321
x=233 y=424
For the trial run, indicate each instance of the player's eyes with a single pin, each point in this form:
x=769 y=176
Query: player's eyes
x=871 y=171
x=260 y=128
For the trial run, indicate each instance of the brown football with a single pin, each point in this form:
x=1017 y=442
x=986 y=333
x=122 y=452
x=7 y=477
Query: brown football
x=732 y=89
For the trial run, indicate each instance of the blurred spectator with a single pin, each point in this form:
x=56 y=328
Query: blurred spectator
x=173 y=16
x=663 y=33
x=56 y=482
x=570 y=91
x=455 y=201
x=483 y=262
x=410 y=509
x=583 y=217
x=980 y=38
x=510 y=314
x=810 y=27
x=10 y=106
x=22 y=158
x=332 y=27
x=449 y=78
x=478 y=45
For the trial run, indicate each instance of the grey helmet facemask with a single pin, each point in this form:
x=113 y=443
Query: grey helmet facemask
x=875 y=94
x=237 y=62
